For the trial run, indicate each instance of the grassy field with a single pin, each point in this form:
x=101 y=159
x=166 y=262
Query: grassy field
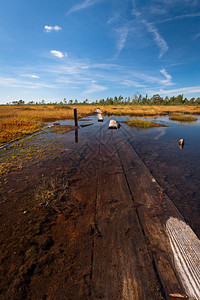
x=19 y=121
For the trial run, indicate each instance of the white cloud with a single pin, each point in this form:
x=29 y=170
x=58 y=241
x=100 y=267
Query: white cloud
x=168 y=77
x=85 y=67
x=57 y=53
x=161 y=43
x=94 y=88
x=82 y=5
x=185 y=90
x=52 y=28
x=30 y=76
x=35 y=76
x=131 y=83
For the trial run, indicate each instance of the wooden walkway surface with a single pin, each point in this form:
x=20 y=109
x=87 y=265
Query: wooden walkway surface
x=130 y=254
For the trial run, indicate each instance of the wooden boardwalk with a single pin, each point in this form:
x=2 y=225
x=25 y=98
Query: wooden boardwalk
x=130 y=256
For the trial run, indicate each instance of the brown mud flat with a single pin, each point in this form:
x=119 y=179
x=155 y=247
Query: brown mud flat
x=93 y=232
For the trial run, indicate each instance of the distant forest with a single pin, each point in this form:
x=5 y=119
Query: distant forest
x=136 y=100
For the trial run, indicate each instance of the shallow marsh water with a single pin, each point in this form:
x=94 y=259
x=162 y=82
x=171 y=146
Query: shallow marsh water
x=177 y=171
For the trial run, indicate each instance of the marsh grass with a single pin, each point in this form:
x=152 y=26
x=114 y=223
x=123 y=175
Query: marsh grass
x=145 y=111
x=53 y=193
x=143 y=124
x=183 y=118
x=19 y=121
x=14 y=128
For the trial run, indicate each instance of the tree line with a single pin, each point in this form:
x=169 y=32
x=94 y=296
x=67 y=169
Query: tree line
x=136 y=100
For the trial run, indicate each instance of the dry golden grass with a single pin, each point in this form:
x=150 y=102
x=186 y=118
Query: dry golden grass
x=149 y=110
x=18 y=121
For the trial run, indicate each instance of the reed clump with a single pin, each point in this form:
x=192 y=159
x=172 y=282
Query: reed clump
x=142 y=123
x=183 y=118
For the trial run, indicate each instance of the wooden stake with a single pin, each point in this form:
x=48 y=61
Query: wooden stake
x=75 y=117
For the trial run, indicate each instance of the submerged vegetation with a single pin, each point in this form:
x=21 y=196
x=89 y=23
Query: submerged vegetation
x=143 y=123
x=63 y=128
x=183 y=118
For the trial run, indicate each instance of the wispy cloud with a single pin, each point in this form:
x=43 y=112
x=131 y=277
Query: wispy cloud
x=196 y=36
x=52 y=28
x=193 y=15
x=121 y=37
x=161 y=43
x=58 y=54
x=30 y=76
x=157 y=10
x=168 y=77
x=17 y=83
x=94 y=88
x=131 y=83
x=114 y=18
x=184 y=90
x=82 y=5
x=183 y=2
x=151 y=28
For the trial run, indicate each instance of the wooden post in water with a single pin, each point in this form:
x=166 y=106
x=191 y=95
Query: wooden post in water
x=75 y=117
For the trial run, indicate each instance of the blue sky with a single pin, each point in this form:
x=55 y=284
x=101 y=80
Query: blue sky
x=95 y=49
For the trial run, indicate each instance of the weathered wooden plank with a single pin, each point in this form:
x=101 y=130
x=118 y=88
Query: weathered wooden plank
x=122 y=266
x=99 y=117
x=112 y=124
x=97 y=110
x=154 y=208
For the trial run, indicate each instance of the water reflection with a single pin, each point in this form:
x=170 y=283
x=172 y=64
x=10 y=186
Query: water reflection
x=76 y=135
x=181 y=144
